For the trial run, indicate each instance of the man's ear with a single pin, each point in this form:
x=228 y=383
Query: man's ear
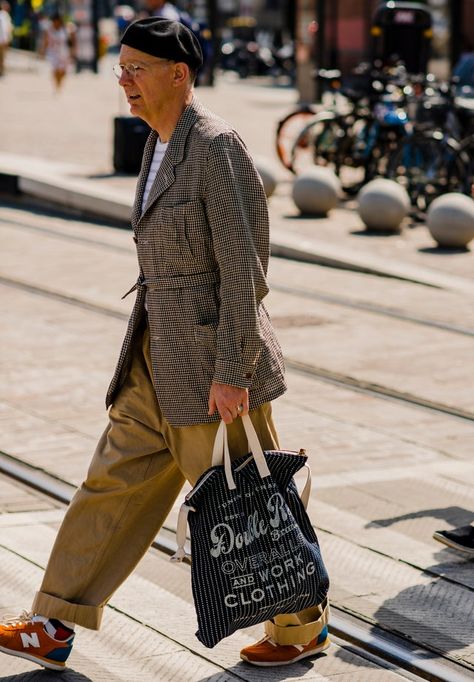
x=181 y=73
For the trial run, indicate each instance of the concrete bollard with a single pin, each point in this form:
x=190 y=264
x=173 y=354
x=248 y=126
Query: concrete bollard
x=383 y=204
x=267 y=173
x=450 y=220
x=316 y=191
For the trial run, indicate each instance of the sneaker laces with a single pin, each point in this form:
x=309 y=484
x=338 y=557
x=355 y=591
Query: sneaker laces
x=267 y=638
x=24 y=618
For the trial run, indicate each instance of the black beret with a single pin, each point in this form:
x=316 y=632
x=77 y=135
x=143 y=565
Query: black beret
x=164 y=38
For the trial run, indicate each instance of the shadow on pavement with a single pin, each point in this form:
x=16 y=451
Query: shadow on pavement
x=305 y=217
x=67 y=675
x=374 y=233
x=418 y=613
x=257 y=674
x=422 y=612
x=444 y=250
x=457 y=516
x=104 y=176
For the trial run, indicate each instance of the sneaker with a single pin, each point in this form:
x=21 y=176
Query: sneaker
x=43 y=641
x=266 y=652
x=460 y=538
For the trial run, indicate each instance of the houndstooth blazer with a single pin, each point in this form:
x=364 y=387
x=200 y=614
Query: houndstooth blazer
x=203 y=247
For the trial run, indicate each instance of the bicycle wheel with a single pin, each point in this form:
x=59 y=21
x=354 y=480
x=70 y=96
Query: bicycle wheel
x=329 y=140
x=318 y=143
x=288 y=130
x=428 y=166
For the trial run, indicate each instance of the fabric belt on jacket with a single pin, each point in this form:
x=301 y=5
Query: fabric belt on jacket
x=178 y=282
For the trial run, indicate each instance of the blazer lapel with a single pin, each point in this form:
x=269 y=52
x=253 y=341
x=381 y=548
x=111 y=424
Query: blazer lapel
x=142 y=178
x=173 y=156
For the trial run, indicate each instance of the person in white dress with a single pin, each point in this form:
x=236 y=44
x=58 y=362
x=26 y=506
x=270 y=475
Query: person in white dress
x=58 y=49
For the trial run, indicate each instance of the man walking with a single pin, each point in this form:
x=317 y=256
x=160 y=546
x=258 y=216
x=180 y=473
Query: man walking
x=199 y=347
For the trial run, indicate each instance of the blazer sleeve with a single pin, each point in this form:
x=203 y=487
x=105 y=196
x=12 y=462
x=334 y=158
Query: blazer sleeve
x=237 y=213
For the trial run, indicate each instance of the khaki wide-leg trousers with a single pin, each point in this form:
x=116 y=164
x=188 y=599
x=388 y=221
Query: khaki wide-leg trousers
x=139 y=467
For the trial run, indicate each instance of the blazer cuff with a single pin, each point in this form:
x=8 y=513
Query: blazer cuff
x=233 y=373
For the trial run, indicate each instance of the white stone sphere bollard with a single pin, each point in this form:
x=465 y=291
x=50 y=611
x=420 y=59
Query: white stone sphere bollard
x=268 y=174
x=316 y=191
x=451 y=220
x=383 y=204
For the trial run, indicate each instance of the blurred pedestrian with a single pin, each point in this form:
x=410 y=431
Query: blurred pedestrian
x=58 y=48
x=6 y=32
x=166 y=10
x=161 y=8
x=199 y=347
x=461 y=538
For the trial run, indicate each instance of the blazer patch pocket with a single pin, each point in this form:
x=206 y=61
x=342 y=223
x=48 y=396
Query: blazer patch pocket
x=206 y=346
x=206 y=335
x=192 y=232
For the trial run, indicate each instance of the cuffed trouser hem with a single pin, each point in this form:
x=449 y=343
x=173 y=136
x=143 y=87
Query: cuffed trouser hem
x=81 y=614
x=291 y=633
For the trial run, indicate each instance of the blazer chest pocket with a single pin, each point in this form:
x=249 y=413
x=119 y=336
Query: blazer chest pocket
x=186 y=231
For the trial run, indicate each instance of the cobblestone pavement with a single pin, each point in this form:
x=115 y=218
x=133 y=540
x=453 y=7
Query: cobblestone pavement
x=387 y=473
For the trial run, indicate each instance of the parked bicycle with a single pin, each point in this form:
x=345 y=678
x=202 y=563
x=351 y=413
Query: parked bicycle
x=436 y=157
x=355 y=136
x=408 y=128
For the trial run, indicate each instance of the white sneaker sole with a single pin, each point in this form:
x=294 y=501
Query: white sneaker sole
x=34 y=659
x=306 y=654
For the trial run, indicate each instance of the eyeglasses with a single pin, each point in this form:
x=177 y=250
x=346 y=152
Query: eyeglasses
x=132 y=69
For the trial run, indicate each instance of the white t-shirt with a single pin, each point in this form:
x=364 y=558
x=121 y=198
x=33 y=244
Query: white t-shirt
x=160 y=149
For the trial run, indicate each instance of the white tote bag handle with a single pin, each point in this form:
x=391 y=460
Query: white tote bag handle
x=306 y=492
x=220 y=453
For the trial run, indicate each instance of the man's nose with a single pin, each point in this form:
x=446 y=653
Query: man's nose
x=125 y=77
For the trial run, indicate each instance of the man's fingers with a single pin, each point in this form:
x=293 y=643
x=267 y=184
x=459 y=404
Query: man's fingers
x=226 y=415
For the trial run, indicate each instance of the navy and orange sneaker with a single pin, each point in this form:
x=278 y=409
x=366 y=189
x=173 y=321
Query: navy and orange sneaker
x=44 y=641
x=268 y=653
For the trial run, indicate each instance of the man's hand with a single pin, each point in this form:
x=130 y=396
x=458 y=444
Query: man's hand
x=227 y=400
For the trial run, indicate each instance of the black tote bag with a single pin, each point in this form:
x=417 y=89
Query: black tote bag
x=254 y=551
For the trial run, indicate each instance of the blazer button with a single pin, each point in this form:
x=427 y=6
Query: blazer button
x=248 y=375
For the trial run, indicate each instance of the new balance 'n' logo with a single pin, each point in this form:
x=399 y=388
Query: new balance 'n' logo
x=29 y=640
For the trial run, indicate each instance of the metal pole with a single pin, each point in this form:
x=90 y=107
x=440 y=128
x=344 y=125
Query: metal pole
x=212 y=13
x=320 y=47
x=95 y=35
x=455 y=43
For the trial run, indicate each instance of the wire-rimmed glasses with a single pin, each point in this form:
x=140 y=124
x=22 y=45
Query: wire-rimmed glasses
x=130 y=69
